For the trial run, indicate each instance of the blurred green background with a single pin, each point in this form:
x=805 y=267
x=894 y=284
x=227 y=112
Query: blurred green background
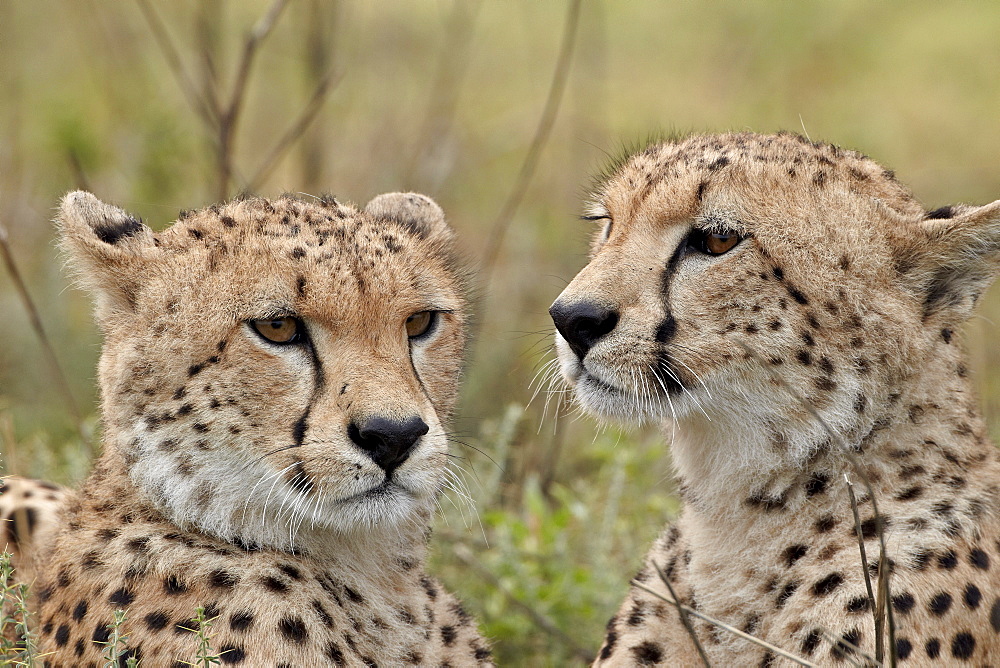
x=446 y=98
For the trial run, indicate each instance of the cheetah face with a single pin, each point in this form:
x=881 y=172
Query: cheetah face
x=723 y=260
x=273 y=369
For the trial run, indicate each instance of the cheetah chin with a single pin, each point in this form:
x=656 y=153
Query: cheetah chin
x=790 y=313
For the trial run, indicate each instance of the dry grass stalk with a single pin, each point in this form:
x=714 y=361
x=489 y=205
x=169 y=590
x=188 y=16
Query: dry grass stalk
x=556 y=89
x=36 y=325
x=731 y=629
x=879 y=640
x=682 y=613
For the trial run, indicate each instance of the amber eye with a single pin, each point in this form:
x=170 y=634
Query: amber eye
x=713 y=243
x=419 y=324
x=279 y=330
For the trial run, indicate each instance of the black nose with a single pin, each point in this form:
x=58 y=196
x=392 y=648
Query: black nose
x=582 y=324
x=386 y=441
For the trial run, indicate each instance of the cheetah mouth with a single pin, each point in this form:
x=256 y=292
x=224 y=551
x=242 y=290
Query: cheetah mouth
x=387 y=491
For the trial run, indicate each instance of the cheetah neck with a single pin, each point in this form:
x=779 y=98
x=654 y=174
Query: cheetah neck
x=780 y=460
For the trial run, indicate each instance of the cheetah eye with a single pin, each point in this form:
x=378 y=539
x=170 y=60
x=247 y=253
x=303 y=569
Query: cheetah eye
x=279 y=330
x=419 y=324
x=713 y=243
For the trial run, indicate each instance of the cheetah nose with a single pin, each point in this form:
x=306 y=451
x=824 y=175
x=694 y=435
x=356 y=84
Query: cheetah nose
x=386 y=441
x=582 y=324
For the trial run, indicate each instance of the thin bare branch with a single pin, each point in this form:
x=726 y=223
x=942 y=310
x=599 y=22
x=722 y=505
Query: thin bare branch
x=173 y=58
x=465 y=556
x=556 y=89
x=731 y=629
x=36 y=324
x=879 y=639
x=683 y=615
x=295 y=130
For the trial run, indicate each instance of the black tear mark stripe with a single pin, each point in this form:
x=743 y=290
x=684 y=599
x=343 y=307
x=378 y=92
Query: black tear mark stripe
x=299 y=477
x=667 y=329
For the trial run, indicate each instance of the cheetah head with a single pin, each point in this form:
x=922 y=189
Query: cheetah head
x=721 y=261
x=274 y=370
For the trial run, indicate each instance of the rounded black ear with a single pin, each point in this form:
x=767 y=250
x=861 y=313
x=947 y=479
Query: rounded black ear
x=108 y=248
x=417 y=213
x=954 y=258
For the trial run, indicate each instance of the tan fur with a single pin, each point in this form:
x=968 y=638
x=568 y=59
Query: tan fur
x=229 y=478
x=848 y=290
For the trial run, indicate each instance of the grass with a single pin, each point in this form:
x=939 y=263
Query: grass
x=448 y=99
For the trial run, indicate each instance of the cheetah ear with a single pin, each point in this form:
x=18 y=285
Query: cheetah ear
x=107 y=247
x=959 y=256
x=418 y=214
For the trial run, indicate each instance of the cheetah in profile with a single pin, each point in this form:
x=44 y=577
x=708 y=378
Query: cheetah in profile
x=744 y=291
x=275 y=379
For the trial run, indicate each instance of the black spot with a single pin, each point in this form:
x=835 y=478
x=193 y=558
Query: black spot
x=62 y=635
x=911 y=493
x=121 y=598
x=825 y=524
x=843 y=646
x=797 y=296
x=785 y=594
x=80 y=611
x=232 y=654
x=871 y=526
x=933 y=648
x=715 y=165
x=290 y=571
x=940 y=603
x=173 y=586
x=948 y=560
x=156 y=620
x=324 y=617
x=903 y=648
x=298 y=253
x=335 y=654
x=113 y=231
x=827 y=584
x=859 y=604
x=101 y=633
x=804 y=357
x=448 y=635
x=358 y=598
x=811 y=642
x=941 y=213
x=293 y=629
x=241 y=621
x=275 y=585
x=979 y=559
x=793 y=553
x=647 y=653
x=221 y=579
x=817 y=484
x=963 y=645
x=995 y=615
x=903 y=603
x=195 y=369
x=972 y=596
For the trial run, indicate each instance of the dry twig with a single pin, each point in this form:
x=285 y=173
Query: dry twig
x=682 y=613
x=36 y=324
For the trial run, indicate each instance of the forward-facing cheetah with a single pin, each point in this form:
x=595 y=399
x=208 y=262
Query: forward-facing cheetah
x=275 y=377
x=729 y=265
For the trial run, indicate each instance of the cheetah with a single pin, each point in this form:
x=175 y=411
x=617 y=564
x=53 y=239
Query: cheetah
x=790 y=315
x=275 y=380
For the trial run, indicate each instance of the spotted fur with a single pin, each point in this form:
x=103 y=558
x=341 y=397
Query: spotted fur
x=852 y=294
x=230 y=477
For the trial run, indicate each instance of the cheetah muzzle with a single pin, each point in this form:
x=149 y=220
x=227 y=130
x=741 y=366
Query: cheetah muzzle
x=742 y=291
